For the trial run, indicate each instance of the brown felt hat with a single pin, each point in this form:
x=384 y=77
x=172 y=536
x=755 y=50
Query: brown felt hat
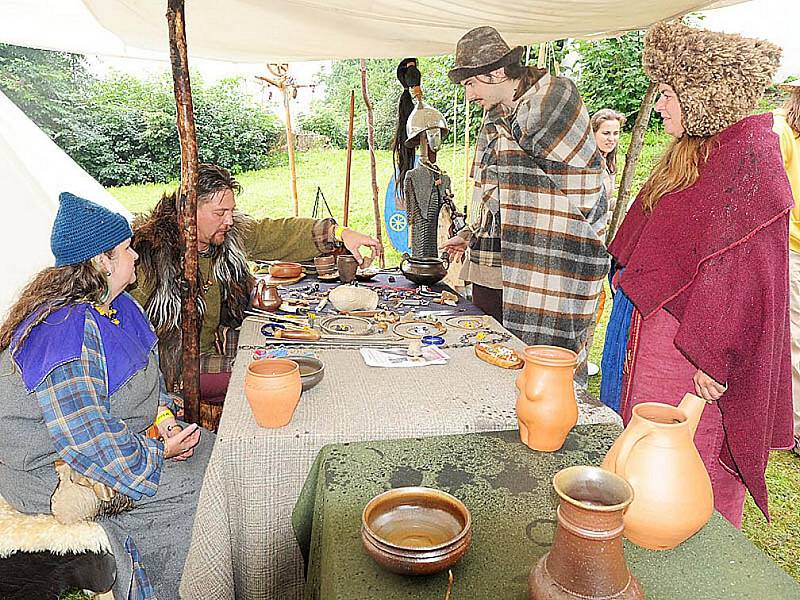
x=480 y=51
x=718 y=77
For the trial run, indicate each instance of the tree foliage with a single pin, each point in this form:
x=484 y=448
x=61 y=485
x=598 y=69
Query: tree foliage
x=122 y=129
x=330 y=115
x=610 y=73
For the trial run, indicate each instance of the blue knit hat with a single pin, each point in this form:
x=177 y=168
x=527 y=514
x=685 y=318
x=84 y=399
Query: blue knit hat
x=83 y=229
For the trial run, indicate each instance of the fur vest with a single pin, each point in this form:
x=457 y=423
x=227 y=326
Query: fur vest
x=157 y=240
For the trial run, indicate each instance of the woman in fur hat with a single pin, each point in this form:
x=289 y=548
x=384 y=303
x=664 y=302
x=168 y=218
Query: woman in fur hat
x=787 y=126
x=701 y=301
x=84 y=408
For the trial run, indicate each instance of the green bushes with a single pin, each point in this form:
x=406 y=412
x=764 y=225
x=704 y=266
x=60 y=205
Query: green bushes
x=127 y=133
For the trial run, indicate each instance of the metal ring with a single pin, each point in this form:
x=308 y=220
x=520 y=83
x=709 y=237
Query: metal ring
x=327 y=325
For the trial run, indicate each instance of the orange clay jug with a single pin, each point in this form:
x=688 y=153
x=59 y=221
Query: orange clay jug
x=672 y=497
x=546 y=405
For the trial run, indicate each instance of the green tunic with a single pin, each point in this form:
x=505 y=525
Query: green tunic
x=293 y=239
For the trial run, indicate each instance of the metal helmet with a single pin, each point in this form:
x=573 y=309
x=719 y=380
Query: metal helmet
x=423 y=118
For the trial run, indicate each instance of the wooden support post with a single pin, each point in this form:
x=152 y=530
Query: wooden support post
x=467 y=164
x=187 y=209
x=349 y=159
x=376 y=208
x=290 y=149
x=631 y=158
x=454 y=128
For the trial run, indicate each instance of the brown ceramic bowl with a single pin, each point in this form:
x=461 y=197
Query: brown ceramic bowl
x=311 y=370
x=416 y=530
x=285 y=269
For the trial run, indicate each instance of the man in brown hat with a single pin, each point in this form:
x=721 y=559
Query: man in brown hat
x=538 y=162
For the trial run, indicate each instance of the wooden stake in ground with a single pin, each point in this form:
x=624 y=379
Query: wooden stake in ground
x=187 y=209
x=376 y=209
x=349 y=158
x=281 y=80
x=631 y=158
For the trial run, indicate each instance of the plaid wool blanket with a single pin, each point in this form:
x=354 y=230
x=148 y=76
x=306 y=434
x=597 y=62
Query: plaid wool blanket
x=553 y=211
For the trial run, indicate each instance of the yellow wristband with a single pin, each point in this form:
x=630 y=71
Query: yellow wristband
x=337 y=233
x=163 y=415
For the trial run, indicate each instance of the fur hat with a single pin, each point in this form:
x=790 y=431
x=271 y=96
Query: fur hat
x=718 y=77
x=480 y=51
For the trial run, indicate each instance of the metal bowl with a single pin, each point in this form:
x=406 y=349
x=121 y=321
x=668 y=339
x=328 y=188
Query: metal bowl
x=311 y=370
x=416 y=530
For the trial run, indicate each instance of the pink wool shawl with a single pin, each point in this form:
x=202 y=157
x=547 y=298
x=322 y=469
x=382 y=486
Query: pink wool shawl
x=716 y=257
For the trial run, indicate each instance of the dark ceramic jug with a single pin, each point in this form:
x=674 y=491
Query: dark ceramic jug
x=586 y=560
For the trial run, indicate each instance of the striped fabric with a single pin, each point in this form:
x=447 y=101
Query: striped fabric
x=86 y=436
x=553 y=211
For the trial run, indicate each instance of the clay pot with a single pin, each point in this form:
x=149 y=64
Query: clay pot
x=285 y=270
x=546 y=405
x=266 y=297
x=657 y=456
x=325 y=264
x=425 y=271
x=272 y=386
x=586 y=560
x=347 y=266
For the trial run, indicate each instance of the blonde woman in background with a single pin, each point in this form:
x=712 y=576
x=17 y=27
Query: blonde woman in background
x=787 y=126
x=607 y=126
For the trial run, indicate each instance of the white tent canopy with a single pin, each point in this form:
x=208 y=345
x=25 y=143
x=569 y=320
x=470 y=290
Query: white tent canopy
x=34 y=172
x=251 y=31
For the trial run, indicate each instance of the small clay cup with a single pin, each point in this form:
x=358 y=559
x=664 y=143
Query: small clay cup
x=285 y=270
x=348 y=266
x=325 y=262
x=266 y=297
x=272 y=386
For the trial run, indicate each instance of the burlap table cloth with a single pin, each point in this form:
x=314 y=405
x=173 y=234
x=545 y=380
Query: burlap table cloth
x=507 y=488
x=243 y=545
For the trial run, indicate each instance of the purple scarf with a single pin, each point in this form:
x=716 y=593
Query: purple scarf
x=59 y=339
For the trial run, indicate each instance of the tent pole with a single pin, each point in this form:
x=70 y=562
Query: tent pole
x=349 y=159
x=631 y=158
x=187 y=208
x=290 y=148
x=467 y=164
x=376 y=209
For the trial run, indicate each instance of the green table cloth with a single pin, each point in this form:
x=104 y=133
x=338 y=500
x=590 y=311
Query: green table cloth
x=507 y=488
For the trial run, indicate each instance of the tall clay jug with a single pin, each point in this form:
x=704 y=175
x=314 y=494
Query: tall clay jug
x=657 y=456
x=546 y=405
x=586 y=560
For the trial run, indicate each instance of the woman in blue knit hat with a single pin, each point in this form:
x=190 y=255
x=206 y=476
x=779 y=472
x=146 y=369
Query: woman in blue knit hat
x=86 y=427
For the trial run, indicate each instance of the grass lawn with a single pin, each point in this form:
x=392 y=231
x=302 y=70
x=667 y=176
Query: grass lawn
x=266 y=193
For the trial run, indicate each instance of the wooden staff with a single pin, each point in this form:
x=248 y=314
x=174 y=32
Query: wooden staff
x=349 y=158
x=467 y=164
x=455 y=129
x=376 y=209
x=286 y=86
x=187 y=209
x=631 y=158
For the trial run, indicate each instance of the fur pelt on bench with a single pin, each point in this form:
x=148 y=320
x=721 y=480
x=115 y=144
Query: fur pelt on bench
x=42 y=533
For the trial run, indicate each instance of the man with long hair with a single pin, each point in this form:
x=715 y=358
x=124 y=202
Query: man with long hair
x=787 y=126
x=226 y=240
x=538 y=163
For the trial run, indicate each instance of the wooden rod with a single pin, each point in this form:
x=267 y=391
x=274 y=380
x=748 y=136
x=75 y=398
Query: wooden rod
x=187 y=210
x=467 y=164
x=290 y=148
x=376 y=208
x=631 y=158
x=349 y=158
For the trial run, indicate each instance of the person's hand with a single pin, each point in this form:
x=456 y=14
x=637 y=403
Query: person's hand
x=455 y=247
x=354 y=240
x=708 y=388
x=179 y=443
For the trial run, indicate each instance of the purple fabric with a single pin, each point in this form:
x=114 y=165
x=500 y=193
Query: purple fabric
x=715 y=255
x=58 y=340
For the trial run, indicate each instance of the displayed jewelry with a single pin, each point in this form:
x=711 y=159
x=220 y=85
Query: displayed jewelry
x=469 y=322
x=416 y=329
x=486 y=336
x=347 y=325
